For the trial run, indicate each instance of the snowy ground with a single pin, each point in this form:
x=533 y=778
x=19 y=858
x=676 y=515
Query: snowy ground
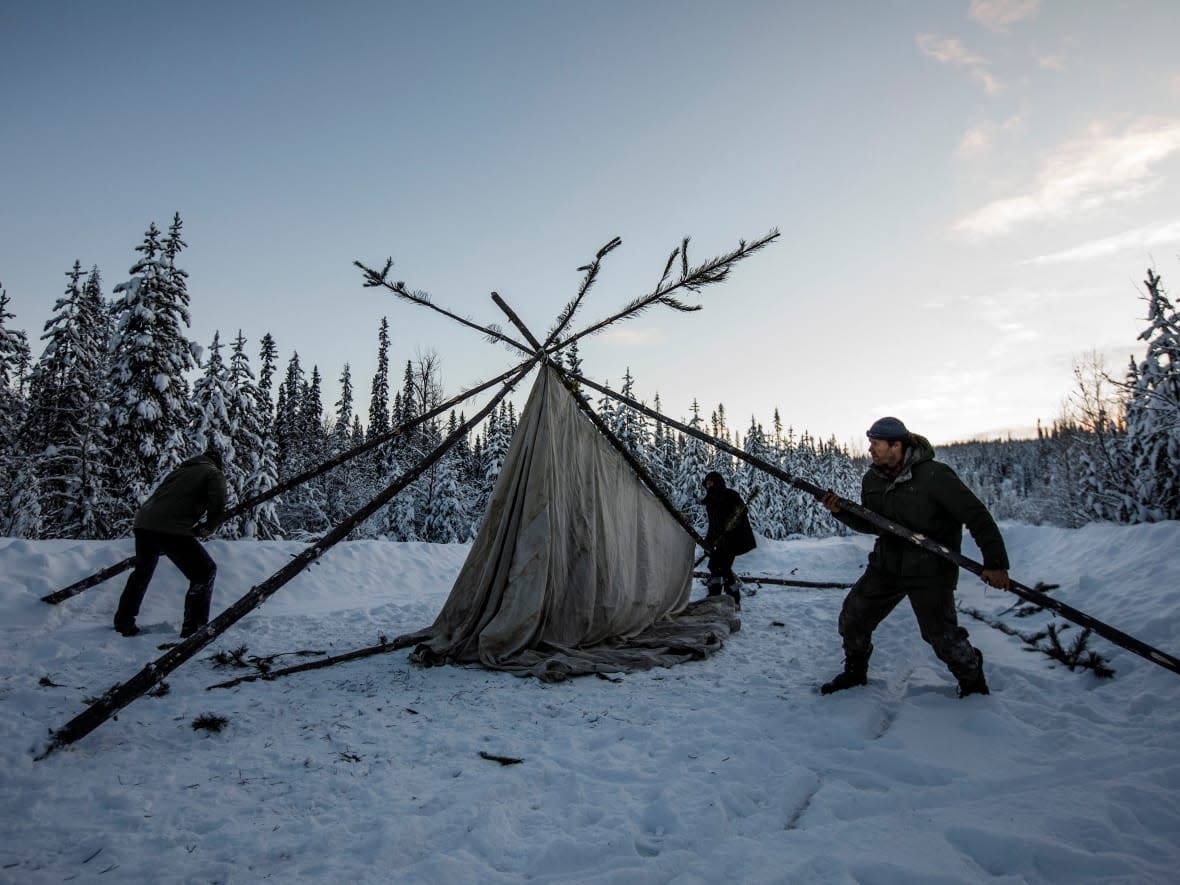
x=733 y=769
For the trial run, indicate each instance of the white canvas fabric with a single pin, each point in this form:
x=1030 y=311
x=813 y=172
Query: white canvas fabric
x=577 y=566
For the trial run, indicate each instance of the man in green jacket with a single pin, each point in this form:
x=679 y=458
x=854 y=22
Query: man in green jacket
x=164 y=527
x=907 y=486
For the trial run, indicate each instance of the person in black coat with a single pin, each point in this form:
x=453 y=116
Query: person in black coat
x=729 y=534
x=907 y=486
x=164 y=526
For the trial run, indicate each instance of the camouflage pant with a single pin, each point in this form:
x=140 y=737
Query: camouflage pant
x=875 y=595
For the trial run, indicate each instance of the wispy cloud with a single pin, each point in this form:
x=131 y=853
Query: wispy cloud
x=996 y=15
x=950 y=51
x=976 y=140
x=1140 y=239
x=1082 y=176
x=981 y=137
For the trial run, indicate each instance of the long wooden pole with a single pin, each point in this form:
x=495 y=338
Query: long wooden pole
x=117 y=568
x=121 y=694
x=1118 y=637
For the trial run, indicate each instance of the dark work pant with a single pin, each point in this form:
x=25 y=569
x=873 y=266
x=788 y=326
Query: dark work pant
x=875 y=595
x=189 y=556
x=721 y=571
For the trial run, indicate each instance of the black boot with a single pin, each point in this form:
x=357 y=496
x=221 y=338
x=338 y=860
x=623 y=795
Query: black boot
x=196 y=608
x=736 y=595
x=855 y=672
x=714 y=586
x=976 y=683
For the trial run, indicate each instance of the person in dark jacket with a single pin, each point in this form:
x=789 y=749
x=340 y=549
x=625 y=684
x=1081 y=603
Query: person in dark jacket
x=907 y=486
x=164 y=526
x=729 y=535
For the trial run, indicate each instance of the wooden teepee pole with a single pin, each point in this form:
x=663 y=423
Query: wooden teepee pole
x=1118 y=637
x=285 y=486
x=121 y=694
x=636 y=465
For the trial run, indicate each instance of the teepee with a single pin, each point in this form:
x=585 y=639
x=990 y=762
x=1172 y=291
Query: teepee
x=575 y=563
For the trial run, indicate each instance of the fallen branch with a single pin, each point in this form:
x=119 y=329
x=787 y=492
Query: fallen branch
x=783 y=582
x=380 y=648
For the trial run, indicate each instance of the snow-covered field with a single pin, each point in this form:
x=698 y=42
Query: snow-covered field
x=729 y=770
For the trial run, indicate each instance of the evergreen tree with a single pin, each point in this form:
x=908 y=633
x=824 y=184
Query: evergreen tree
x=379 y=397
x=211 y=424
x=64 y=429
x=750 y=477
x=1153 y=410
x=268 y=355
x=687 y=493
x=444 y=520
x=23 y=518
x=14 y=357
x=630 y=426
x=287 y=420
x=342 y=482
x=254 y=451
x=149 y=358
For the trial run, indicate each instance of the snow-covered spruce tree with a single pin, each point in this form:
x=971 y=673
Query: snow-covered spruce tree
x=687 y=492
x=835 y=470
x=305 y=507
x=301 y=510
x=371 y=475
x=718 y=459
x=268 y=355
x=630 y=426
x=212 y=426
x=254 y=451
x=14 y=358
x=1153 y=410
x=750 y=477
x=664 y=458
x=287 y=419
x=342 y=485
x=149 y=358
x=64 y=427
x=379 y=409
x=445 y=520
x=24 y=519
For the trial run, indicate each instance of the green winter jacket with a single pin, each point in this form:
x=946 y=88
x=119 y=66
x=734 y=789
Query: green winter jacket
x=929 y=498
x=196 y=487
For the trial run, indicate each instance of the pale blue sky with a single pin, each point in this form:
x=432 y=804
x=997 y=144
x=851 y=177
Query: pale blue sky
x=968 y=192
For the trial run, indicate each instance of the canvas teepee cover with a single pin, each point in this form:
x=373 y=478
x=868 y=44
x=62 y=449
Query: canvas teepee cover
x=577 y=567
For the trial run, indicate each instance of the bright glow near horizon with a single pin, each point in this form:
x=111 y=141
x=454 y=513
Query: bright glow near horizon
x=968 y=193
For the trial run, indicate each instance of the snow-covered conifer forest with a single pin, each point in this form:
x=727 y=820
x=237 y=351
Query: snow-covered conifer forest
x=118 y=395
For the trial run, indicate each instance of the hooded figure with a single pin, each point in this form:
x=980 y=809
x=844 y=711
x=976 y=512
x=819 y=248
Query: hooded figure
x=729 y=534
x=164 y=527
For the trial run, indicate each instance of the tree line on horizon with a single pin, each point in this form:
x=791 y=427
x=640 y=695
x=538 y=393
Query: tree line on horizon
x=91 y=426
